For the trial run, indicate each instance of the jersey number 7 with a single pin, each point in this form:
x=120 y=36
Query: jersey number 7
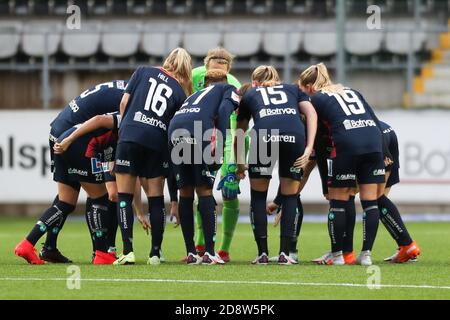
x=157 y=97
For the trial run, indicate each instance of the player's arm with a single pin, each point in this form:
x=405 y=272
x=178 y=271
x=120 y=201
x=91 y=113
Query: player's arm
x=307 y=109
x=106 y=121
x=131 y=86
x=124 y=103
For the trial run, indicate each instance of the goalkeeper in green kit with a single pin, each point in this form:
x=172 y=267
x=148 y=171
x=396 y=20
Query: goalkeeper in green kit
x=220 y=58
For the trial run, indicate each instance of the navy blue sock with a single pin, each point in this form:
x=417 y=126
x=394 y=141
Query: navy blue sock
x=371 y=218
x=52 y=235
x=299 y=222
x=207 y=209
x=86 y=215
x=350 y=214
x=186 y=211
x=288 y=223
x=126 y=220
x=97 y=217
x=336 y=224
x=392 y=220
x=258 y=217
x=157 y=214
x=112 y=222
x=52 y=217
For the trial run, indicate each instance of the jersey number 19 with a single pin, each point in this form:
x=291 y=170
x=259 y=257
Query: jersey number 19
x=350 y=102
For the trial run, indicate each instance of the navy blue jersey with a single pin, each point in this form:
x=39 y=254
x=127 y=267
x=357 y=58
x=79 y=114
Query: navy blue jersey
x=392 y=142
x=351 y=122
x=274 y=108
x=101 y=99
x=155 y=96
x=211 y=107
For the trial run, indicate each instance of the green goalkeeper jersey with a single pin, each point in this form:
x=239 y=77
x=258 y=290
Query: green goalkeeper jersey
x=198 y=82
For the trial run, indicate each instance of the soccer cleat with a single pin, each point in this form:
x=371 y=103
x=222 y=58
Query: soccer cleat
x=262 y=260
x=103 y=258
x=388 y=259
x=332 y=259
x=161 y=257
x=406 y=253
x=125 y=259
x=350 y=258
x=53 y=256
x=209 y=259
x=200 y=250
x=225 y=256
x=285 y=260
x=294 y=256
x=27 y=251
x=365 y=258
x=193 y=259
x=154 y=261
x=326 y=256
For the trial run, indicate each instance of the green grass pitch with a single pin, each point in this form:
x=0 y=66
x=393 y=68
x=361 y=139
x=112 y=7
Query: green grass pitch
x=427 y=279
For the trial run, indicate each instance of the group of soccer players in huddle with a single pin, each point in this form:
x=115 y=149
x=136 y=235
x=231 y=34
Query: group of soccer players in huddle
x=179 y=125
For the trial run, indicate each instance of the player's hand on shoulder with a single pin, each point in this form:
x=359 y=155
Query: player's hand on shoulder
x=61 y=147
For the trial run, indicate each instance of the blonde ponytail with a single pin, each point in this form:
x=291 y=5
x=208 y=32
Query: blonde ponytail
x=266 y=76
x=179 y=64
x=318 y=77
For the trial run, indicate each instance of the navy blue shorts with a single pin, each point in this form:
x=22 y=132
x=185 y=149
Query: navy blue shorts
x=190 y=170
x=346 y=171
x=139 y=161
x=263 y=156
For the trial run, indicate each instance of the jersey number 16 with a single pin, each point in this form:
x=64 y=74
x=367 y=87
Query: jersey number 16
x=157 y=97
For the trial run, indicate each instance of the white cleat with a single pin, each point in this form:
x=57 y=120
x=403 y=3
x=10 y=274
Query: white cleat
x=294 y=256
x=193 y=259
x=125 y=259
x=365 y=259
x=161 y=257
x=262 y=260
x=332 y=259
x=391 y=258
x=209 y=259
x=325 y=257
x=154 y=261
x=286 y=260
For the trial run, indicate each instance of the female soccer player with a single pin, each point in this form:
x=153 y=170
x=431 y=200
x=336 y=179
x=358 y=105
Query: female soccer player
x=219 y=59
x=197 y=130
x=275 y=109
x=357 y=157
x=100 y=99
x=151 y=98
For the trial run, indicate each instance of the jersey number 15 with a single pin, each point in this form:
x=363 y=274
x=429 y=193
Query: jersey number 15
x=157 y=97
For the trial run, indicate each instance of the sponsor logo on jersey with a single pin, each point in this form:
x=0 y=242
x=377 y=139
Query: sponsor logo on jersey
x=73 y=105
x=121 y=85
x=357 y=124
x=186 y=140
x=379 y=172
x=276 y=112
x=345 y=177
x=262 y=170
x=123 y=163
x=77 y=172
x=187 y=110
x=235 y=97
x=279 y=138
x=388 y=130
x=96 y=166
x=142 y=118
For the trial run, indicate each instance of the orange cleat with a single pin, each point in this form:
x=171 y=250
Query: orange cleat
x=350 y=258
x=103 y=258
x=407 y=253
x=225 y=256
x=27 y=251
x=200 y=250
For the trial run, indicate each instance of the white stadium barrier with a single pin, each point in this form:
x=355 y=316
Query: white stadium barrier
x=34 y=42
x=424 y=149
x=9 y=38
x=81 y=44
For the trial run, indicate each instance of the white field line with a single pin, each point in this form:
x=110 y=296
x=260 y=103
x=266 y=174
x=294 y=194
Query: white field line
x=306 y=284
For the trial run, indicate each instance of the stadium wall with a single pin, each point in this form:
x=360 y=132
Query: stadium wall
x=26 y=181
